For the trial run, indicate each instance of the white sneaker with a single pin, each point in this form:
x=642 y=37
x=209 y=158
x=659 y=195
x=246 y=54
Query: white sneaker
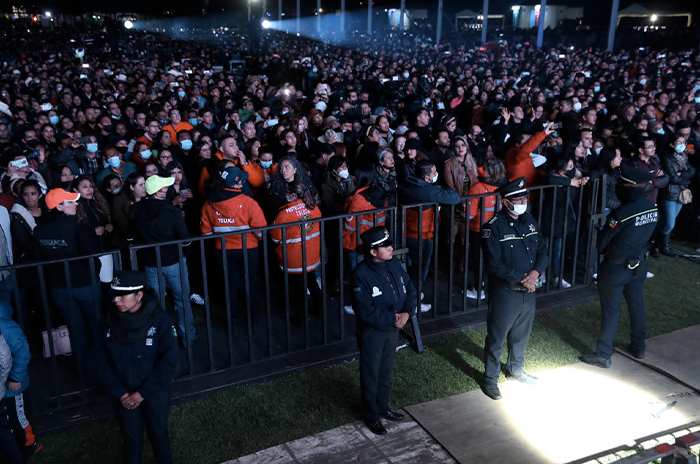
x=425 y=307
x=348 y=309
x=650 y=275
x=595 y=276
x=564 y=283
x=472 y=294
x=197 y=299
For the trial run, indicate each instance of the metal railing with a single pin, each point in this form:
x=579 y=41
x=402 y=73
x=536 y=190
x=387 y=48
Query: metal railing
x=234 y=333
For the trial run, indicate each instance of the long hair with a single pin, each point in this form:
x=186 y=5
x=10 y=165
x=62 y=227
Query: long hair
x=100 y=201
x=303 y=193
x=176 y=164
x=364 y=176
x=494 y=170
x=278 y=186
x=131 y=181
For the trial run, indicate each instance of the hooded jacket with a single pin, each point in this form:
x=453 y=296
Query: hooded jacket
x=158 y=221
x=19 y=348
x=415 y=191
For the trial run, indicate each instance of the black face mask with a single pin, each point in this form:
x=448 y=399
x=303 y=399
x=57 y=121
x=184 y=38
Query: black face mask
x=122 y=150
x=571 y=173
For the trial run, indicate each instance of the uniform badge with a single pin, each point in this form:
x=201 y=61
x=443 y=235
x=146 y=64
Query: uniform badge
x=151 y=332
x=486 y=233
x=149 y=342
x=376 y=292
x=612 y=223
x=108 y=333
x=521 y=183
x=532 y=228
x=174 y=331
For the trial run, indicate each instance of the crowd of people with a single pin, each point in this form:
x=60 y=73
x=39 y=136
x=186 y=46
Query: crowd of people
x=99 y=152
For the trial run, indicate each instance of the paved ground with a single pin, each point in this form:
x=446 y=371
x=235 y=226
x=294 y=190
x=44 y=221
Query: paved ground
x=406 y=443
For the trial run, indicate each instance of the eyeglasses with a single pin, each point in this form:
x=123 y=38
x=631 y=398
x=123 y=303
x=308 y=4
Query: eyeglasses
x=174 y=114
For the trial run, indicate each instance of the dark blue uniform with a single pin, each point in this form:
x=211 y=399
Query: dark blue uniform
x=625 y=241
x=147 y=366
x=512 y=248
x=381 y=290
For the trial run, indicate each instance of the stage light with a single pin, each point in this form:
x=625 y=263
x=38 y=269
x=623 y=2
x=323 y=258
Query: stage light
x=266 y=24
x=654 y=18
x=515 y=8
x=128 y=24
x=47 y=14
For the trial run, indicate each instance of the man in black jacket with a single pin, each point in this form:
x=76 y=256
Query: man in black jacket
x=157 y=220
x=384 y=300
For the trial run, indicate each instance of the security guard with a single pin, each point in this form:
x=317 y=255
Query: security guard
x=625 y=241
x=384 y=299
x=515 y=255
x=136 y=361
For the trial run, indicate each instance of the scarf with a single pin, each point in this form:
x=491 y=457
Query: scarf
x=131 y=328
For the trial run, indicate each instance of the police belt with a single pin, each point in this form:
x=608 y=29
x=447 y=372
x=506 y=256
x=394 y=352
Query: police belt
x=631 y=263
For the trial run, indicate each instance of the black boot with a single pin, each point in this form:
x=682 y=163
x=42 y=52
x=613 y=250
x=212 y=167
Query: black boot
x=665 y=249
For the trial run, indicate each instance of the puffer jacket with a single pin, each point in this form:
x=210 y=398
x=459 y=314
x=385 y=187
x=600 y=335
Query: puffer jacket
x=680 y=173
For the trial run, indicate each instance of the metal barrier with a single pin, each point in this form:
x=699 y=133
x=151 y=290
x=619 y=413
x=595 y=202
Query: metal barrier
x=236 y=332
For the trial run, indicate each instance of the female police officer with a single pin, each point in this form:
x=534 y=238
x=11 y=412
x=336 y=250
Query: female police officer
x=136 y=361
x=383 y=299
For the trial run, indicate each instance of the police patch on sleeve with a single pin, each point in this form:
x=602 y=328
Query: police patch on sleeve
x=612 y=223
x=174 y=331
x=485 y=233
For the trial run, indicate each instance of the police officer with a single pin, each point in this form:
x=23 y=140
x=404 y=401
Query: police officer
x=384 y=299
x=625 y=241
x=515 y=255
x=136 y=361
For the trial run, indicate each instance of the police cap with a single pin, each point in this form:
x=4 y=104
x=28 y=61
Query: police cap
x=127 y=282
x=376 y=237
x=514 y=189
x=633 y=175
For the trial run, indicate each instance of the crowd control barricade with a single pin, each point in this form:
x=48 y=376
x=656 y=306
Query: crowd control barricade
x=257 y=309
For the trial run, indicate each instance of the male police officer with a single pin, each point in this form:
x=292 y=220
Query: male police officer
x=384 y=299
x=515 y=255
x=625 y=241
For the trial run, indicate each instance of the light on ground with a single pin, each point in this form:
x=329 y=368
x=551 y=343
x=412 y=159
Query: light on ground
x=128 y=24
x=266 y=24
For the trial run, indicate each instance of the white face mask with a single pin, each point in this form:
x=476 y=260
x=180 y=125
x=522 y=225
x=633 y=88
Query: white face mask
x=518 y=209
x=344 y=174
x=434 y=179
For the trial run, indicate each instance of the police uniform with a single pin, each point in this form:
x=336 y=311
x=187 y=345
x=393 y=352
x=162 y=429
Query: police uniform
x=512 y=248
x=625 y=241
x=137 y=352
x=381 y=291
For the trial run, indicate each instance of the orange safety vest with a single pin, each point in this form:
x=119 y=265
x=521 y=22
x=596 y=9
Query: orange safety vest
x=357 y=203
x=238 y=213
x=412 y=217
x=291 y=213
x=256 y=177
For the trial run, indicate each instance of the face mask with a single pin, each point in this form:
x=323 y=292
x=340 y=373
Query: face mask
x=577 y=106
x=59 y=88
x=181 y=94
x=344 y=174
x=92 y=147
x=53 y=120
x=603 y=99
x=680 y=148
x=598 y=150
x=596 y=89
x=122 y=150
x=114 y=116
x=518 y=209
x=146 y=154
x=643 y=81
x=266 y=164
x=661 y=132
x=116 y=191
x=186 y=144
x=571 y=173
x=107 y=128
x=697 y=99
x=193 y=121
x=314 y=69
x=696 y=88
x=434 y=179
x=406 y=75
x=163 y=121
x=114 y=162
x=284 y=112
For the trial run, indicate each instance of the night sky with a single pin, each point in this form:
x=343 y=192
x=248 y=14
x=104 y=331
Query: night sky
x=189 y=7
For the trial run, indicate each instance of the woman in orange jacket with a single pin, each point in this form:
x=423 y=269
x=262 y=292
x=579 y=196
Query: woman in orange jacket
x=301 y=206
x=226 y=210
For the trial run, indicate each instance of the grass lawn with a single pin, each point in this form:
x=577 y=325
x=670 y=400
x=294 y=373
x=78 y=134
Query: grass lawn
x=243 y=420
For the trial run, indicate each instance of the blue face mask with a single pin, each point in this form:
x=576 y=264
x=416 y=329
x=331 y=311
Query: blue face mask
x=680 y=148
x=186 y=144
x=193 y=121
x=53 y=120
x=181 y=94
x=661 y=131
x=114 y=162
x=92 y=147
x=266 y=164
x=596 y=89
x=146 y=154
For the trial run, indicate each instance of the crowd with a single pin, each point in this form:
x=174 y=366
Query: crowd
x=99 y=152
